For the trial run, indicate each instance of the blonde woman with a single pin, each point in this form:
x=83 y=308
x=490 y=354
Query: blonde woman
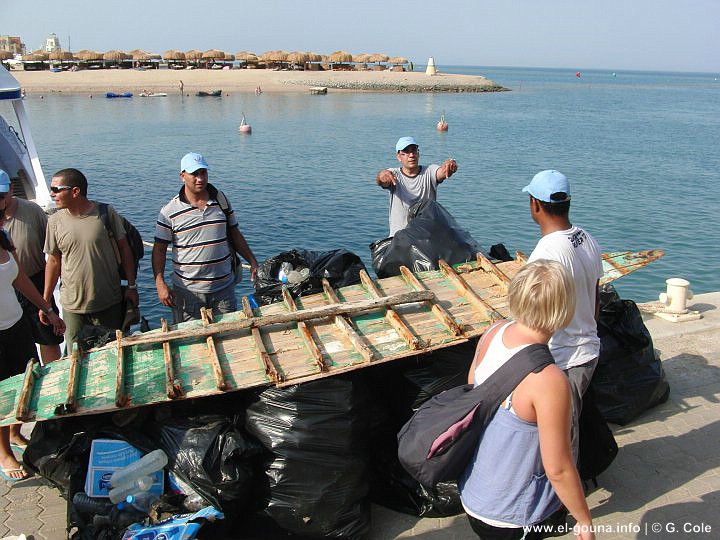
x=523 y=469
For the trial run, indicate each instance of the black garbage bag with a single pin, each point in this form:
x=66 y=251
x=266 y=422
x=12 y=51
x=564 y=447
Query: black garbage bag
x=629 y=377
x=315 y=435
x=597 y=445
x=340 y=267
x=398 y=389
x=211 y=454
x=432 y=234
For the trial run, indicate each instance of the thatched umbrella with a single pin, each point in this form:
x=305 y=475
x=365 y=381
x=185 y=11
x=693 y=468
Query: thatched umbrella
x=247 y=57
x=378 y=58
x=154 y=56
x=6 y=55
x=89 y=56
x=340 y=57
x=229 y=57
x=138 y=54
x=61 y=55
x=115 y=56
x=298 y=57
x=315 y=57
x=360 y=58
x=173 y=55
x=193 y=55
x=135 y=52
x=213 y=54
x=41 y=55
x=397 y=60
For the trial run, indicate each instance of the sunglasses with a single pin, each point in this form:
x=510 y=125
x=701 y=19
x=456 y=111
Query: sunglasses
x=58 y=189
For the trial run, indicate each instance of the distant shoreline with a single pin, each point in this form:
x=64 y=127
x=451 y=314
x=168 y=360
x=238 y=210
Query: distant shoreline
x=98 y=82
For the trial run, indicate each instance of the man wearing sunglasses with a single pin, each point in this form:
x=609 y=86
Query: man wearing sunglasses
x=411 y=182
x=81 y=251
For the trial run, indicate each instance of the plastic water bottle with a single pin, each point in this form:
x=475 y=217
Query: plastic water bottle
x=118 y=494
x=142 y=501
x=285 y=269
x=90 y=505
x=146 y=465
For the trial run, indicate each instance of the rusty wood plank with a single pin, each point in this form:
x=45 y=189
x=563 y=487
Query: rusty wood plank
x=270 y=369
x=70 y=404
x=346 y=308
x=490 y=267
x=220 y=383
x=464 y=289
x=305 y=333
x=173 y=387
x=391 y=316
x=121 y=398
x=22 y=411
x=345 y=326
x=440 y=312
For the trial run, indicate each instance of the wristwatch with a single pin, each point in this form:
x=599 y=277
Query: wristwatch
x=48 y=311
x=132 y=286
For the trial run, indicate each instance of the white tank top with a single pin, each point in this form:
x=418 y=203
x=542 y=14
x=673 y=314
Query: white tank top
x=10 y=310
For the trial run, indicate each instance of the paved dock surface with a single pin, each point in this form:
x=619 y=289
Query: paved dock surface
x=664 y=483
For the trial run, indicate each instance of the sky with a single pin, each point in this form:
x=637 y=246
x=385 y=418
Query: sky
x=662 y=35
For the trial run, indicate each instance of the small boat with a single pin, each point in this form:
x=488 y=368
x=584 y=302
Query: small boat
x=318 y=90
x=214 y=93
x=244 y=127
x=442 y=125
x=116 y=95
x=152 y=94
x=285 y=343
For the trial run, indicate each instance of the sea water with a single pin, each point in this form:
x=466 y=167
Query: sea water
x=640 y=150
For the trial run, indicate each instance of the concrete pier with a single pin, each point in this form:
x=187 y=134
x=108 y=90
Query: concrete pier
x=664 y=483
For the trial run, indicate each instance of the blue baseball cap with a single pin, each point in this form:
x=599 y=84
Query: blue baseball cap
x=4 y=182
x=192 y=161
x=545 y=183
x=404 y=142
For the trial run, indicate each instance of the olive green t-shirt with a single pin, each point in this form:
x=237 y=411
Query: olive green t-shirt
x=89 y=273
x=27 y=232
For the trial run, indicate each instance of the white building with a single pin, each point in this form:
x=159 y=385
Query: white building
x=52 y=43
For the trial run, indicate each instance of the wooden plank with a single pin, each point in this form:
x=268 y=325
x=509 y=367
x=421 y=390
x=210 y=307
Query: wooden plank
x=281 y=318
x=345 y=326
x=220 y=383
x=270 y=370
x=489 y=266
x=22 y=411
x=70 y=404
x=173 y=387
x=465 y=290
x=412 y=341
x=305 y=333
x=521 y=257
x=121 y=399
x=440 y=312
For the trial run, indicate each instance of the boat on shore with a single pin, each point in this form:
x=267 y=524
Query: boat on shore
x=152 y=94
x=212 y=93
x=116 y=95
x=284 y=343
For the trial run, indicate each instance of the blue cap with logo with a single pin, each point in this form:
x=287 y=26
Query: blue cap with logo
x=545 y=183
x=404 y=142
x=4 y=182
x=192 y=161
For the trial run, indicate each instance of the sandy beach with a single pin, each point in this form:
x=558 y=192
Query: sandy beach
x=245 y=80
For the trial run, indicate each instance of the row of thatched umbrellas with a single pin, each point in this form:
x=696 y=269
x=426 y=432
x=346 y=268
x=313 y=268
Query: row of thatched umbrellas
x=297 y=57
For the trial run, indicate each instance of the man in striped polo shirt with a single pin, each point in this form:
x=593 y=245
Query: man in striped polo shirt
x=198 y=228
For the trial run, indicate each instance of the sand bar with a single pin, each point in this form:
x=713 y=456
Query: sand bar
x=245 y=80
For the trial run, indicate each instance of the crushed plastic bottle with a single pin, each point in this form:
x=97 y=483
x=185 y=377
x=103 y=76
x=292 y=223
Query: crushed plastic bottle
x=285 y=269
x=142 y=501
x=118 y=494
x=146 y=465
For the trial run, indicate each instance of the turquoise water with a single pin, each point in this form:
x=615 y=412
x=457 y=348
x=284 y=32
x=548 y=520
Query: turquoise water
x=640 y=149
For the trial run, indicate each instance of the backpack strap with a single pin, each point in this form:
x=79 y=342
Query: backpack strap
x=105 y=218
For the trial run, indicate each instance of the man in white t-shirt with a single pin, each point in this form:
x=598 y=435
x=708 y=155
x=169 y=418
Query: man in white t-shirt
x=411 y=182
x=575 y=348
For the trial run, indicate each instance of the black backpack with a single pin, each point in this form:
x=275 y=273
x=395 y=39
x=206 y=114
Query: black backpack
x=132 y=235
